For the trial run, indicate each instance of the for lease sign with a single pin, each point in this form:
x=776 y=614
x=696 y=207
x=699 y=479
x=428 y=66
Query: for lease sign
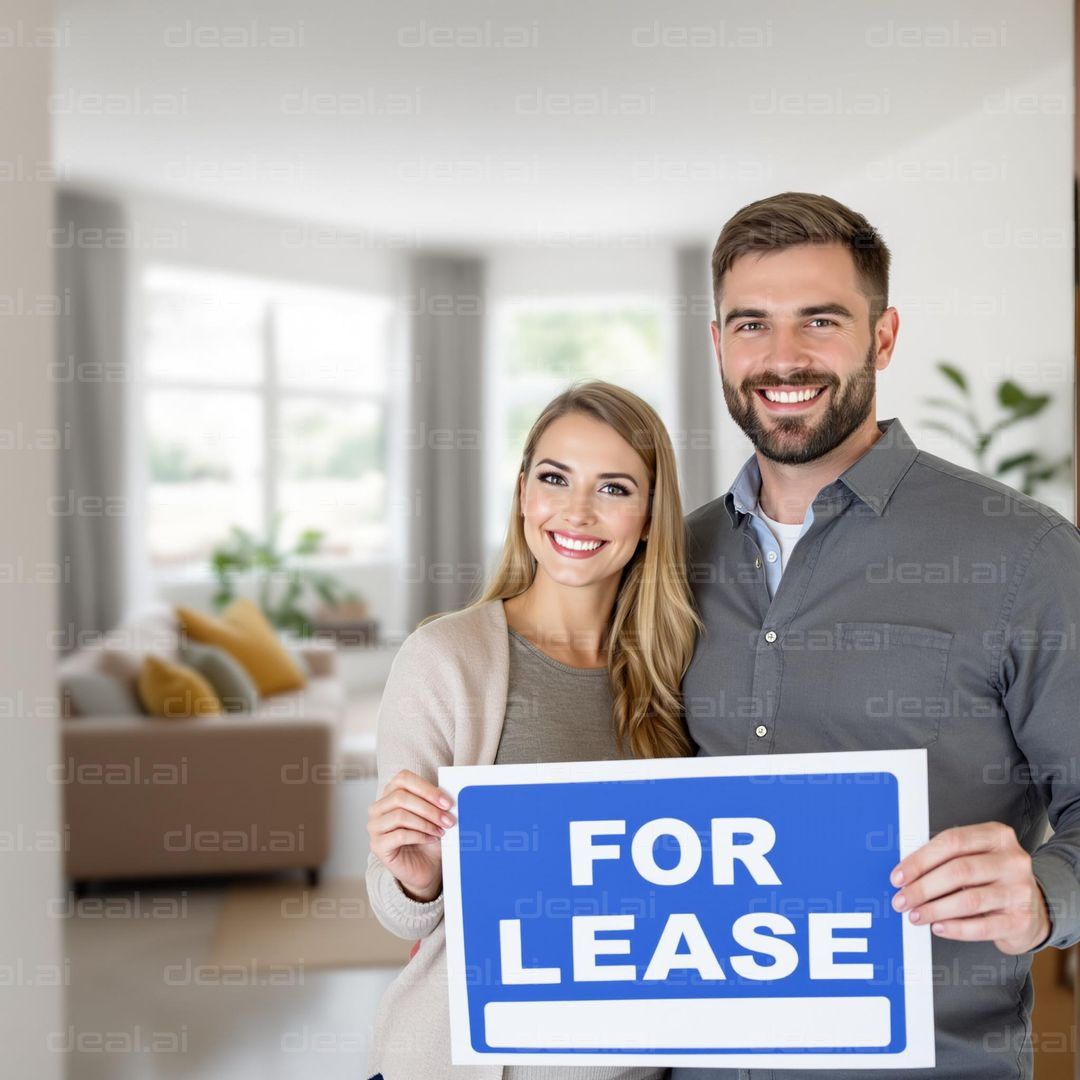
x=723 y=911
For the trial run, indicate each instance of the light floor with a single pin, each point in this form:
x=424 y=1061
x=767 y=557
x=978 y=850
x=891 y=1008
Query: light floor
x=138 y=1007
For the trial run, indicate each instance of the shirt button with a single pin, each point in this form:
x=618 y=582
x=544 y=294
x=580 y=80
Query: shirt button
x=770 y=636
x=771 y=556
x=761 y=731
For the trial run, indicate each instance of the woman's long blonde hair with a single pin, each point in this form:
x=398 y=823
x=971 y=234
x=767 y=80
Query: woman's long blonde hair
x=653 y=624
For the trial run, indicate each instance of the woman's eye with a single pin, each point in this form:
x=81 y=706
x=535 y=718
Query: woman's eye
x=617 y=489
x=545 y=477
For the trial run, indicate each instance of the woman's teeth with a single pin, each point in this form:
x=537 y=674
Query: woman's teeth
x=576 y=545
x=788 y=397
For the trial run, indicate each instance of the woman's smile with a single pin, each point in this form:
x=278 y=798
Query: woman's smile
x=575 y=545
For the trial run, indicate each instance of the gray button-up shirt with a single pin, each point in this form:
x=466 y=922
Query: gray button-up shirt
x=744 y=494
x=926 y=606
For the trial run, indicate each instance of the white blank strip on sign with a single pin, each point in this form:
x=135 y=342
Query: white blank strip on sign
x=689 y=1024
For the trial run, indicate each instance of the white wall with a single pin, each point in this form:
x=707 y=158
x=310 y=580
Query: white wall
x=30 y=818
x=633 y=264
x=978 y=216
x=983 y=268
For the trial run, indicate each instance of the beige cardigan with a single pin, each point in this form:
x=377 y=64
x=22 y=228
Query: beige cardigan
x=444 y=704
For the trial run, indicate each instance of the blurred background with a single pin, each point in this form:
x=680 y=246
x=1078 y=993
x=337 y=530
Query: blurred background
x=285 y=286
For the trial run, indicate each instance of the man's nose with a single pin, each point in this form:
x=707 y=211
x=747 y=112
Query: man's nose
x=787 y=353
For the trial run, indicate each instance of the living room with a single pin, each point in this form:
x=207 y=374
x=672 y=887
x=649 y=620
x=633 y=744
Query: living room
x=291 y=285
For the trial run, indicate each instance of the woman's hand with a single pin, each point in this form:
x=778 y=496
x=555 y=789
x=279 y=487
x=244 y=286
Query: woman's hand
x=405 y=825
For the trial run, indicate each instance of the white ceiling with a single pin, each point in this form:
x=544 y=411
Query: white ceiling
x=489 y=153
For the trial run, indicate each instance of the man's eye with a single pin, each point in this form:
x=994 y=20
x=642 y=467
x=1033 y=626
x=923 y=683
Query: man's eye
x=750 y=326
x=824 y=321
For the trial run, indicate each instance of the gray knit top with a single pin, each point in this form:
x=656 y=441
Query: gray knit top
x=559 y=713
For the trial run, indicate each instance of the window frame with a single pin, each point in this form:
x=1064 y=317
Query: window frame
x=269 y=294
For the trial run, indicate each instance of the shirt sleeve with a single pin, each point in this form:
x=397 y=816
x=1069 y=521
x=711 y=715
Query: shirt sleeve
x=1040 y=680
x=414 y=733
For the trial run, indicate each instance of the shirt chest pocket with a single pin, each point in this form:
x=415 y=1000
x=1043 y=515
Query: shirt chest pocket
x=878 y=686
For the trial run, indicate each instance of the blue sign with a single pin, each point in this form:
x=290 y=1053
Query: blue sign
x=731 y=911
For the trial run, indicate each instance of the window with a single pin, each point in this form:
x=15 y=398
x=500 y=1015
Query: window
x=539 y=348
x=264 y=401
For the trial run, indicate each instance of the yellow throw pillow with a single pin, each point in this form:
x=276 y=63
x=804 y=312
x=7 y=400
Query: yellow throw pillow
x=175 y=691
x=244 y=632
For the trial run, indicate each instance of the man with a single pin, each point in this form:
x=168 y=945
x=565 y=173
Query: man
x=859 y=594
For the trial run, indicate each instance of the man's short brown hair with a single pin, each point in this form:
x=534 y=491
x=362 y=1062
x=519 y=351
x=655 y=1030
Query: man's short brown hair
x=796 y=218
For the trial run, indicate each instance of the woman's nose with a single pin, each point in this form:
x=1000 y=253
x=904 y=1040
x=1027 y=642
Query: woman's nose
x=580 y=508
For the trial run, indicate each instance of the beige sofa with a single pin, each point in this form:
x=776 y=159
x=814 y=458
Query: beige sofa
x=238 y=792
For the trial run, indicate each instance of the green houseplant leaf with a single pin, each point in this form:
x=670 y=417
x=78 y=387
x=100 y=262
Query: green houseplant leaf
x=954 y=375
x=244 y=554
x=1010 y=463
x=1018 y=406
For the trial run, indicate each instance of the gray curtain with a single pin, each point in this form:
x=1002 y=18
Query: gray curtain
x=696 y=376
x=92 y=375
x=446 y=457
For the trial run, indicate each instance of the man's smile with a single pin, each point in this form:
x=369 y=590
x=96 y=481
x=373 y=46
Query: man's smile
x=789 y=399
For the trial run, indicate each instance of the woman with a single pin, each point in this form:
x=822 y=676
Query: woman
x=574 y=652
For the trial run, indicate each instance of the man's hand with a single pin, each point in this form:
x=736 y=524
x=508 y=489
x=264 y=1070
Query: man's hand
x=974 y=883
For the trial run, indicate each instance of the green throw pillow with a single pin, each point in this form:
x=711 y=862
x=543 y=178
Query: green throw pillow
x=228 y=677
x=93 y=693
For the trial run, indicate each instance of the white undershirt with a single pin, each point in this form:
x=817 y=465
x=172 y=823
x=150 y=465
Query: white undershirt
x=787 y=536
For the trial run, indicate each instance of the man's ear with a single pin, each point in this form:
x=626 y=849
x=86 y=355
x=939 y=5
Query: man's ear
x=885 y=331
x=716 y=341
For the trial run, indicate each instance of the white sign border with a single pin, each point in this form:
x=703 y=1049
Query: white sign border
x=909 y=768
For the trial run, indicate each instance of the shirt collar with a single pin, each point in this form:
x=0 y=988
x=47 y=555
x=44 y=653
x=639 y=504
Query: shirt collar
x=872 y=479
x=743 y=493
x=877 y=474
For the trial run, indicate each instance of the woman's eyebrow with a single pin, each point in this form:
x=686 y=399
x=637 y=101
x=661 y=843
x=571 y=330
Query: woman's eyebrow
x=600 y=476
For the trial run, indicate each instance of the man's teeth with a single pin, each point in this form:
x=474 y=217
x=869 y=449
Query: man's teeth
x=786 y=397
x=577 y=545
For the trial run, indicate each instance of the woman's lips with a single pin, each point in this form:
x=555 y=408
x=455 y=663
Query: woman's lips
x=573 y=553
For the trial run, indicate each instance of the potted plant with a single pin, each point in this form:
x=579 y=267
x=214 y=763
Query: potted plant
x=243 y=554
x=1025 y=470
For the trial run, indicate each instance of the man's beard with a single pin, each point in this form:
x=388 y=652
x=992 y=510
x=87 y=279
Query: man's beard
x=792 y=440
